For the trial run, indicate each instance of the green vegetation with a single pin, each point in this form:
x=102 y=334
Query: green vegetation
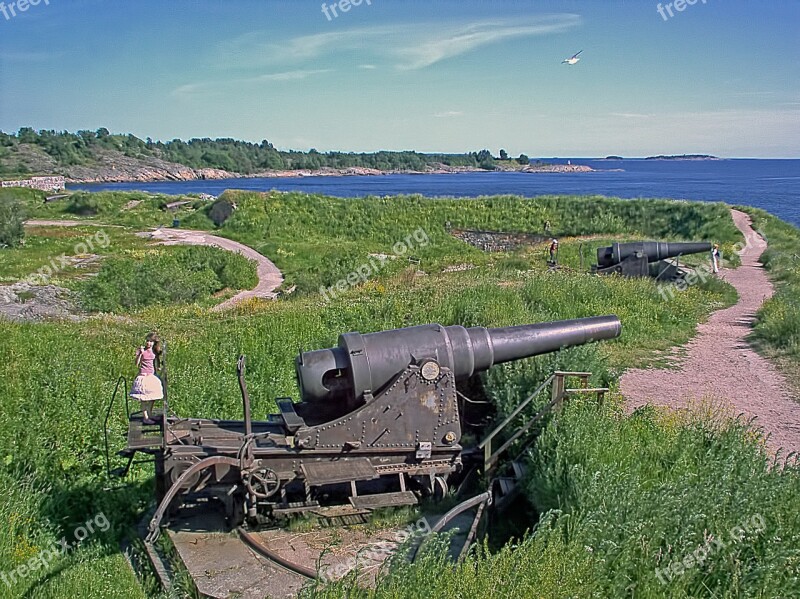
x=166 y=276
x=619 y=496
x=778 y=321
x=12 y=215
x=317 y=241
x=86 y=148
x=623 y=501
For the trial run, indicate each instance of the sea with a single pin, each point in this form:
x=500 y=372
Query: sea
x=773 y=185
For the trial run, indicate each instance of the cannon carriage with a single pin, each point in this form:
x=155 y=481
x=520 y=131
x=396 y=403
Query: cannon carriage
x=655 y=259
x=380 y=423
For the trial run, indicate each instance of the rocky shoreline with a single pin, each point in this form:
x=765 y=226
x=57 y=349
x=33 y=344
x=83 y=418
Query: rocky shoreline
x=159 y=170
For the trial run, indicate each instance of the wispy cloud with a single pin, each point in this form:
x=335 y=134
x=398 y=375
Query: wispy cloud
x=631 y=115
x=407 y=46
x=368 y=67
x=448 y=114
x=754 y=93
x=429 y=51
x=288 y=75
x=208 y=87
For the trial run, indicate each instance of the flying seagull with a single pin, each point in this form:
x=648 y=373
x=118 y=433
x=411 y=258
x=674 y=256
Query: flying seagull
x=573 y=59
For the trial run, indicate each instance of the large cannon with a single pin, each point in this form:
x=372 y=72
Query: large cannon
x=645 y=258
x=379 y=422
x=365 y=364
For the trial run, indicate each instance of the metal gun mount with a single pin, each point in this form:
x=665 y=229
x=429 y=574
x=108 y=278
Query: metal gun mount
x=635 y=259
x=379 y=423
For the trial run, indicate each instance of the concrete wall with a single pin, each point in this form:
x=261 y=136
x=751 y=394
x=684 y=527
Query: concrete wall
x=42 y=183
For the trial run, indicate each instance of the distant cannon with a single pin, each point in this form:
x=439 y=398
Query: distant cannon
x=646 y=258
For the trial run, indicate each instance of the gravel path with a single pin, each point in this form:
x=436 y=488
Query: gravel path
x=720 y=365
x=269 y=277
x=57 y=223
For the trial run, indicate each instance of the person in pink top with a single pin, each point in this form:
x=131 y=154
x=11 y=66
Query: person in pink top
x=147 y=386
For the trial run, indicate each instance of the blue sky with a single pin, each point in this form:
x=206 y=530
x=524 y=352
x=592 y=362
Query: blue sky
x=720 y=77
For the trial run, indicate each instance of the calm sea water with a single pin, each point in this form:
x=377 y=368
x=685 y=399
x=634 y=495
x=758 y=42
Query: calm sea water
x=773 y=185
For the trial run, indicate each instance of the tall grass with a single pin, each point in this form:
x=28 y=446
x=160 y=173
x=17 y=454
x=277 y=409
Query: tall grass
x=166 y=276
x=778 y=321
x=619 y=497
x=622 y=500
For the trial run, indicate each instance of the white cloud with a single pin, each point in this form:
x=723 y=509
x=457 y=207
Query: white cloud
x=288 y=75
x=209 y=87
x=447 y=114
x=434 y=49
x=631 y=115
x=409 y=46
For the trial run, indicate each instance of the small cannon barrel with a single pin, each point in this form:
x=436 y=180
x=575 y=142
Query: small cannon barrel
x=654 y=250
x=369 y=362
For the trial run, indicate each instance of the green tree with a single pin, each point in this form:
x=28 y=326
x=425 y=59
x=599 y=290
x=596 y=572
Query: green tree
x=523 y=160
x=12 y=217
x=503 y=154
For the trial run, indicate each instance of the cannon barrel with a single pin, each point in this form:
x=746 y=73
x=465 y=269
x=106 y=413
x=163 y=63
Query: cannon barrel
x=654 y=250
x=367 y=363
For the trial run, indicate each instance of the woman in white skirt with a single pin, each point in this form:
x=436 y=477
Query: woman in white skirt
x=147 y=386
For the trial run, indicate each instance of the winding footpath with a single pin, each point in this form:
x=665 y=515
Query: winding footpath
x=720 y=365
x=269 y=277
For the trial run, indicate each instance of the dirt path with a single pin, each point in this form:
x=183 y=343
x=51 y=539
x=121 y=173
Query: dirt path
x=269 y=277
x=58 y=223
x=720 y=365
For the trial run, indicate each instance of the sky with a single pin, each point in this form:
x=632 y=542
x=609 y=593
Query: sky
x=716 y=77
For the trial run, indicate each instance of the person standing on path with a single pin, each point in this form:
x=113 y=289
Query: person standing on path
x=715 y=257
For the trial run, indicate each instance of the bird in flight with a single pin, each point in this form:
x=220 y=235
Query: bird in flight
x=572 y=59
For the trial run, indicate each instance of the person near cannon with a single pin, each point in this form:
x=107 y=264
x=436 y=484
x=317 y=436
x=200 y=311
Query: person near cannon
x=553 y=251
x=715 y=257
x=147 y=387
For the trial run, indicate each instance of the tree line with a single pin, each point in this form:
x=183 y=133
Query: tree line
x=81 y=148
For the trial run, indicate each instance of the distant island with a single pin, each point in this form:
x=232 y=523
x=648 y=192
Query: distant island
x=613 y=158
x=102 y=157
x=684 y=157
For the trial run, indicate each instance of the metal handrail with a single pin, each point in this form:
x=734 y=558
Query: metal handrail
x=120 y=380
x=559 y=393
x=519 y=408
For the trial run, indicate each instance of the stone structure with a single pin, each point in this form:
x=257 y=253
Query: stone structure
x=55 y=183
x=496 y=241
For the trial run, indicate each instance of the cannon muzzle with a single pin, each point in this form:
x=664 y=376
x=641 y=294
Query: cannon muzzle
x=653 y=250
x=367 y=363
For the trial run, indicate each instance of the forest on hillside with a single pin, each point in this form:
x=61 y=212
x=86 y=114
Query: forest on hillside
x=84 y=148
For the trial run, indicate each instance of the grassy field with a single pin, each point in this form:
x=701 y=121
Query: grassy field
x=777 y=330
x=621 y=498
